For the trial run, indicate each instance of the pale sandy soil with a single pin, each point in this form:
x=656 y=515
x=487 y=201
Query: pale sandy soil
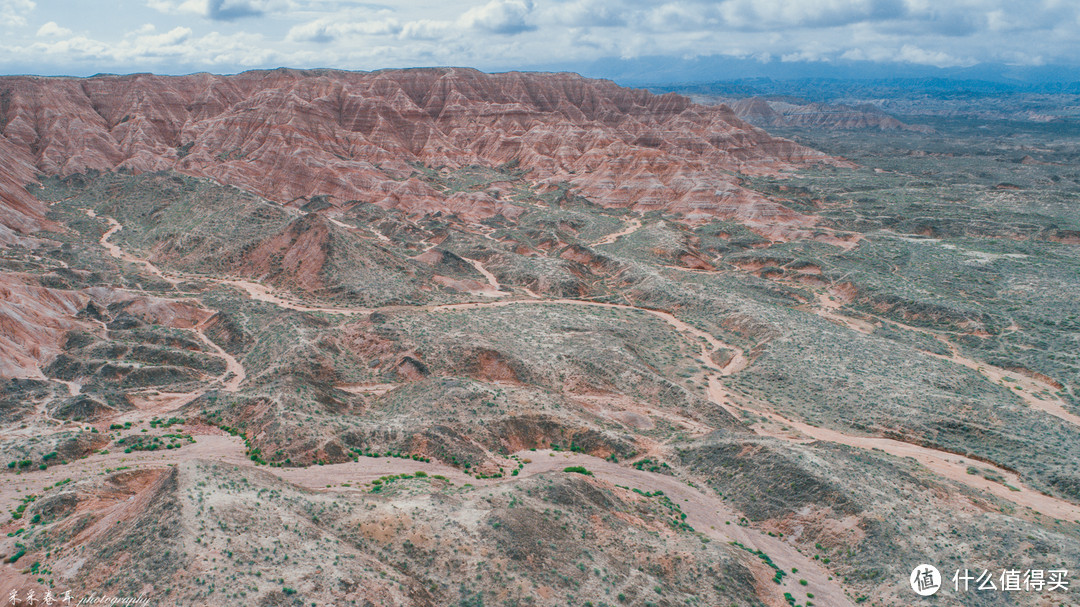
x=256 y=291
x=234 y=371
x=631 y=413
x=117 y=252
x=631 y=226
x=1036 y=393
x=373 y=231
x=496 y=290
x=376 y=389
x=949 y=466
x=706 y=512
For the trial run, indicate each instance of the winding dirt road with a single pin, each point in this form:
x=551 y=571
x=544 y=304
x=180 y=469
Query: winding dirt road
x=254 y=290
x=948 y=465
x=705 y=511
x=117 y=252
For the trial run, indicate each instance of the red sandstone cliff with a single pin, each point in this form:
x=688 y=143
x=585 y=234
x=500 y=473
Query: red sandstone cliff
x=289 y=134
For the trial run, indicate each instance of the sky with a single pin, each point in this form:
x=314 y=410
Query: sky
x=609 y=38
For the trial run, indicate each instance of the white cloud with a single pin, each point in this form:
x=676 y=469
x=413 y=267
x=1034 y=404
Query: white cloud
x=499 y=17
x=219 y=10
x=498 y=34
x=495 y=17
x=681 y=17
x=769 y=14
x=178 y=45
x=52 y=29
x=907 y=53
x=426 y=29
x=912 y=54
x=170 y=38
x=13 y=12
x=327 y=29
x=585 y=13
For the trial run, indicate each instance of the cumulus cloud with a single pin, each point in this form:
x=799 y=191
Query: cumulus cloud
x=176 y=46
x=13 y=12
x=585 y=13
x=506 y=17
x=52 y=29
x=426 y=29
x=499 y=17
x=912 y=54
x=681 y=17
x=907 y=53
x=523 y=33
x=329 y=29
x=770 y=14
x=218 y=10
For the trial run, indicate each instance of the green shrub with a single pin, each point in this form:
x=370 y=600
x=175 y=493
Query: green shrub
x=578 y=469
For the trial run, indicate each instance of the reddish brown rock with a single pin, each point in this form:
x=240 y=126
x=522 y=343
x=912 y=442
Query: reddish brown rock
x=33 y=323
x=34 y=320
x=290 y=135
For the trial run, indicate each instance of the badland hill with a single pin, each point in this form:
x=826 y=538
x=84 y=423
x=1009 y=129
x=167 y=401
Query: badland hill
x=438 y=337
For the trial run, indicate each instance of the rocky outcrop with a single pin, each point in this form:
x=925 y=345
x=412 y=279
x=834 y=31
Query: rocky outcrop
x=34 y=320
x=292 y=135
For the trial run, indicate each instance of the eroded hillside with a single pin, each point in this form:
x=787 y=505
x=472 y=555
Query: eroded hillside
x=436 y=337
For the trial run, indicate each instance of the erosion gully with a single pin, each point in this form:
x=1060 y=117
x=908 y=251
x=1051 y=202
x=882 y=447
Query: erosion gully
x=705 y=511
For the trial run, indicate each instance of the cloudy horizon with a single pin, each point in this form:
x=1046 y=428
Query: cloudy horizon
x=51 y=37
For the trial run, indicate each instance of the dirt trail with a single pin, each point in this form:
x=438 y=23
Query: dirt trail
x=374 y=232
x=828 y=307
x=233 y=367
x=948 y=465
x=1030 y=387
x=707 y=514
x=631 y=226
x=494 y=282
x=218 y=447
x=260 y=292
x=162 y=403
x=117 y=252
x=953 y=467
x=74 y=389
x=707 y=342
x=1036 y=393
x=152 y=404
x=256 y=291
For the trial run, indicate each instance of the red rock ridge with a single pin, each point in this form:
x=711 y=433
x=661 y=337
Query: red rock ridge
x=289 y=134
